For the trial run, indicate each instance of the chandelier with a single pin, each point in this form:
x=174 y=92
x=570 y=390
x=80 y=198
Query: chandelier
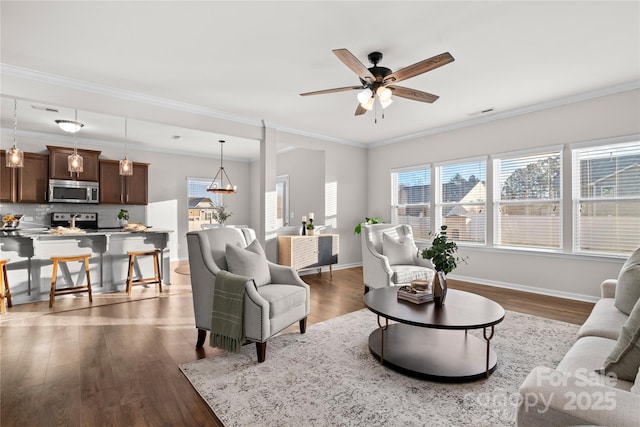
x=218 y=184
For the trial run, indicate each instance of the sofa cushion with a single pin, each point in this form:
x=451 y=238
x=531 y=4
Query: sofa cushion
x=585 y=357
x=406 y=273
x=628 y=288
x=624 y=359
x=604 y=321
x=636 y=384
x=398 y=250
x=249 y=262
x=282 y=298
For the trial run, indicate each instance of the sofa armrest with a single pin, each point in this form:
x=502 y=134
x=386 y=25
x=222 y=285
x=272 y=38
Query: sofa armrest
x=608 y=288
x=376 y=269
x=284 y=275
x=552 y=398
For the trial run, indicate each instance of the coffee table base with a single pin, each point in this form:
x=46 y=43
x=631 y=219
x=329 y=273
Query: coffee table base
x=435 y=354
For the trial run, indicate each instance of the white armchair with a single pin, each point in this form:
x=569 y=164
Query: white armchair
x=268 y=308
x=390 y=257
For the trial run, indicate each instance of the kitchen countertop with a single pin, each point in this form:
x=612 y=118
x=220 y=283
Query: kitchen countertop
x=38 y=233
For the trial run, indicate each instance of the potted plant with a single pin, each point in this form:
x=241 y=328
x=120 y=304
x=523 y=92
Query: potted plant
x=310 y=227
x=220 y=214
x=374 y=220
x=123 y=216
x=442 y=254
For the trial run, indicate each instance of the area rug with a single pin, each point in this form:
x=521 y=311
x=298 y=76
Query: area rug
x=328 y=377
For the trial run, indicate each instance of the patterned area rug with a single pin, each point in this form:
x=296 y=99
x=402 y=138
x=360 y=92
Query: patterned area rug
x=328 y=377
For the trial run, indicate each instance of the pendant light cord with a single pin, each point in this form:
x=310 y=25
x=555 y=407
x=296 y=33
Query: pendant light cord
x=15 y=120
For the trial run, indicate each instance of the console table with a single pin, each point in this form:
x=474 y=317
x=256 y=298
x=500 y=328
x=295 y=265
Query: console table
x=306 y=252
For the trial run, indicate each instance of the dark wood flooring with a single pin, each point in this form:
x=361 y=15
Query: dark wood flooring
x=114 y=362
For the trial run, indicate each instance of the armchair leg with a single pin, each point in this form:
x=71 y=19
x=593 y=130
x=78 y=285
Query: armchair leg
x=261 y=349
x=303 y=325
x=366 y=289
x=202 y=334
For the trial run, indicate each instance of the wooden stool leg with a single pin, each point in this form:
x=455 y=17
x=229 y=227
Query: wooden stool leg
x=2 y=282
x=156 y=270
x=86 y=269
x=7 y=292
x=132 y=259
x=52 y=294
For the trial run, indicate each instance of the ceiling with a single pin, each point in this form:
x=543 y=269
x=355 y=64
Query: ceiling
x=251 y=60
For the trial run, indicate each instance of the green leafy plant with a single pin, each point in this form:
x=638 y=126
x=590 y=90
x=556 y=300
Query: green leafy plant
x=367 y=221
x=220 y=214
x=442 y=252
x=310 y=225
x=123 y=215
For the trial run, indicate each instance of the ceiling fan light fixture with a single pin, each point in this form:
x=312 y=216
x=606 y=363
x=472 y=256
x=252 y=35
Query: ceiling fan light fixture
x=386 y=103
x=363 y=97
x=384 y=93
x=369 y=104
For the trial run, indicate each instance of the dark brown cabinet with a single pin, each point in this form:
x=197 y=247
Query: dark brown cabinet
x=59 y=168
x=27 y=184
x=123 y=190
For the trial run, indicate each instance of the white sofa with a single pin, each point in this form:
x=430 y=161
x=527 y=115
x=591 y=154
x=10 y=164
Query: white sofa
x=575 y=392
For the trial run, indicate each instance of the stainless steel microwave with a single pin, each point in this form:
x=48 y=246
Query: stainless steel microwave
x=67 y=191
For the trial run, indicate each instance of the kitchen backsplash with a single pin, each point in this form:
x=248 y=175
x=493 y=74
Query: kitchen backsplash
x=39 y=215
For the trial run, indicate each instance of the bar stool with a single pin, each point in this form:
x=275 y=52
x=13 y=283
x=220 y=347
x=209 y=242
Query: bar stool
x=131 y=282
x=5 y=292
x=69 y=290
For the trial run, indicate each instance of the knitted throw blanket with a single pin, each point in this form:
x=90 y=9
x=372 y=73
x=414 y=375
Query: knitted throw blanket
x=227 y=330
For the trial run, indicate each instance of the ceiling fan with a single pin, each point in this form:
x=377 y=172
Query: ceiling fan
x=380 y=82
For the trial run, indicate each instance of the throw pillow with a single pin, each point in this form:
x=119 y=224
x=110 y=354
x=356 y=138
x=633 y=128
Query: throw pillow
x=398 y=251
x=636 y=384
x=249 y=262
x=628 y=287
x=624 y=359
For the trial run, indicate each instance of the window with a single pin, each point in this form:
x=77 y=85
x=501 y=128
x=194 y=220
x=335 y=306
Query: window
x=411 y=198
x=606 y=198
x=201 y=203
x=527 y=200
x=461 y=200
x=282 y=201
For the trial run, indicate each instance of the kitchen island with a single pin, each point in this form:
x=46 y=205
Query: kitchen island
x=30 y=268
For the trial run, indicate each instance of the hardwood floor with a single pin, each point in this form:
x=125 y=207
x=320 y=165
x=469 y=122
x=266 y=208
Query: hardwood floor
x=114 y=363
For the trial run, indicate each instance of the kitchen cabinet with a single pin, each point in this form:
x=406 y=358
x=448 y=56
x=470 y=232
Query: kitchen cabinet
x=305 y=252
x=27 y=184
x=123 y=190
x=59 y=164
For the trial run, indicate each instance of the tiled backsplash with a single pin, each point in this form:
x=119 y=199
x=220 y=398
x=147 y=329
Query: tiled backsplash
x=39 y=215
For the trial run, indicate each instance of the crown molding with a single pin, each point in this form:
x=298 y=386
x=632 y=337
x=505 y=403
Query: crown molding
x=611 y=90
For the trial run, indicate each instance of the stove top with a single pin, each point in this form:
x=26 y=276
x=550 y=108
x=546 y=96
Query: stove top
x=82 y=220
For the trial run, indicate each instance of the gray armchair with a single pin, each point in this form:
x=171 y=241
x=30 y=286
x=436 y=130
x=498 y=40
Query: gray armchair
x=268 y=309
x=399 y=264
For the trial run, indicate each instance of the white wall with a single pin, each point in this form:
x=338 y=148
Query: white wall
x=599 y=118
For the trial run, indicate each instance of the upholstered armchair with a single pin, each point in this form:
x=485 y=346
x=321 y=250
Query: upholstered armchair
x=390 y=257
x=272 y=302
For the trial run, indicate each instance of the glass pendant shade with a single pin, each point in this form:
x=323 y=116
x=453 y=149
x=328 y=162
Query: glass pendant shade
x=15 y=156
x=386 y=103
x=221 y=183
x=384 y=93
x=75 y=162
x=126 y=167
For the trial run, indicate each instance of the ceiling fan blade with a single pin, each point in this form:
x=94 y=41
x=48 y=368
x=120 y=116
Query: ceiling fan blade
x=337 y=89
x=413 y=94
x=360 y=110
x=419 y=68
x=354 y=64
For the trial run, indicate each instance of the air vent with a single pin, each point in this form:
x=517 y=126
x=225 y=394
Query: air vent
x=41 y=108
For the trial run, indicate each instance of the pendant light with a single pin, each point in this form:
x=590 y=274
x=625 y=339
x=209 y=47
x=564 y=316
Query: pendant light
x=75 y=162
x=15 y=156
x=220 y=186
x=126 y=165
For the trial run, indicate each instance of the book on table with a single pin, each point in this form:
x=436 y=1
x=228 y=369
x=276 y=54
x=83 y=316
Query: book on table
x=410 y=294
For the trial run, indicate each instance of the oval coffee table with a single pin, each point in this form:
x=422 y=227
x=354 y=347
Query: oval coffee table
x=432 y=342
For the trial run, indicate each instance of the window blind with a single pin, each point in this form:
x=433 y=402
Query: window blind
x=411 y=200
